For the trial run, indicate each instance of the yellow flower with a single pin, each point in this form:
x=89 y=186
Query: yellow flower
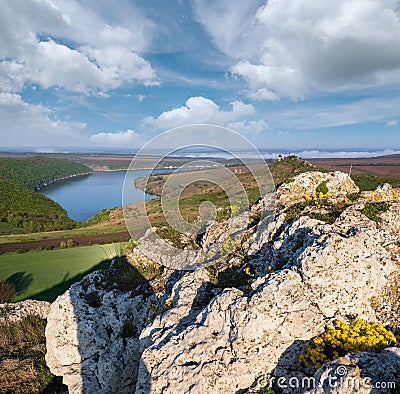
x=342 y=338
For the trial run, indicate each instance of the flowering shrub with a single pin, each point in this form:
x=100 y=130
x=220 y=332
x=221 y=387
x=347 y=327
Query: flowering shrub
x=342 y=338
x=233 y=247
x=316 y=197
x=229 y=211
x=157 y=307
x=130 y=245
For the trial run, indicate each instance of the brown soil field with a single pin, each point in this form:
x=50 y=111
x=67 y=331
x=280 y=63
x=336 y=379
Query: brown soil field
x=380 y=166
x=55 y=243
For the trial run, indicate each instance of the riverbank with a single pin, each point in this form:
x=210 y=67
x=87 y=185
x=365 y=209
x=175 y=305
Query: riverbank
x=38 y=189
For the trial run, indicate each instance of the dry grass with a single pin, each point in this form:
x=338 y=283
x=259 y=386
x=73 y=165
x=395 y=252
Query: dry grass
x=22 y=365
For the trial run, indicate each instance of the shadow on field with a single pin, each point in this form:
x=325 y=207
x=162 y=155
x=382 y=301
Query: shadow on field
x=21 y=281
x=53 y=292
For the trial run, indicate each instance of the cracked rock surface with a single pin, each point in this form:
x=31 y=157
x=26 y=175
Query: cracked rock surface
x=209 y=339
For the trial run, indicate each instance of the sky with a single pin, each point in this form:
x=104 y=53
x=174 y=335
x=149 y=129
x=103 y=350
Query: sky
x=305 y=74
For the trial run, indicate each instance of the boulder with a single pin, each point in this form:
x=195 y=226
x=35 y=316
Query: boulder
x=92 y=336
x=338 y=183
x=18 y=310
x=186 y=333
x=364 y=373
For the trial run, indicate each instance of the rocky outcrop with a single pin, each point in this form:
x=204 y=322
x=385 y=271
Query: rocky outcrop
x=197 y=333
x=18 y=310
x=92 y=335
x=337 y=183
x=364 y=373
x=323 y=272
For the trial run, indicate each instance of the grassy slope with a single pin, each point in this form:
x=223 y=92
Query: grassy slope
x=23 y=367
x=370 y=182
x=46 y=274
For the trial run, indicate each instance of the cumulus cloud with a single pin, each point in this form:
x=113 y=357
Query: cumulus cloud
x=121 y=139
x=92 y=55
x=200 y=110
x=329 y=45
x=34 y=125
x=250 y=126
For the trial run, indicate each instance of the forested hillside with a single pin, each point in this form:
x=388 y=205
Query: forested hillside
x=22 y=209
x=31 y=211
x=36 y=171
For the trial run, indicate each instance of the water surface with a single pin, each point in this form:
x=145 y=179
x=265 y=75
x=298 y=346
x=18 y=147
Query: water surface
x=83 y=196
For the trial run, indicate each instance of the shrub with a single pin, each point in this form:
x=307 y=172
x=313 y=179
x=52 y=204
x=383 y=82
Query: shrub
x=353 y=196
x=7 y=291
x=322 y=188
x=71 y=243
x=295 y=210
x=128 y=330
x=373 y=209
x=342 y=338
x=128 y=276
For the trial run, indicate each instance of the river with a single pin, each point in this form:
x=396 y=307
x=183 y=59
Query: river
x=83 y=196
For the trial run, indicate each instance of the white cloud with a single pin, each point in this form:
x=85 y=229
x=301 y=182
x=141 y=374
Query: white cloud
x=391 y=123
x=25 y=124
x=230 y=25
x=303 y=44
x=121 y=139
x=200 y=110
x=62 y=43
x=250 y=127
x=270 y=83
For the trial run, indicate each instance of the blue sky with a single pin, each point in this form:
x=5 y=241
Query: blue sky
x=285 y=74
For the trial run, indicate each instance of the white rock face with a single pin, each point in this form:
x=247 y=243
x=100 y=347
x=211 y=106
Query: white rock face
x=324 y=272
x=84 y=337
x=338 y=183
x=18 y=310
x=205 y=339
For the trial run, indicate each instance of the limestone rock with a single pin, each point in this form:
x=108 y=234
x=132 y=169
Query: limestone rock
x=18 y=310
x=364 y=372
x=384 y=192
x=194 y=336
x=323 y=272
x=338 y=183
x=92 y=336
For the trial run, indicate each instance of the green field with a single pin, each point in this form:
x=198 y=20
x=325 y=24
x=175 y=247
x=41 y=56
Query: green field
x=46 y=274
